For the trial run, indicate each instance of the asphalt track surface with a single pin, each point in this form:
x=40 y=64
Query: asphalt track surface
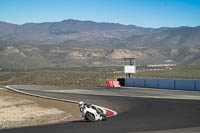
x=135 y=114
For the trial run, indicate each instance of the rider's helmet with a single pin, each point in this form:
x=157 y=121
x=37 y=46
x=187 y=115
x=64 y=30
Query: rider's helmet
x=81 y=104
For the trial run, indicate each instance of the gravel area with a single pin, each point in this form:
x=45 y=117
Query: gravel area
x=18 y=110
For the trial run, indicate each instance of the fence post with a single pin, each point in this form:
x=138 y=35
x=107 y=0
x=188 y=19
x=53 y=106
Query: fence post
x=175 y=84
x=195 y=87
x=133 y=82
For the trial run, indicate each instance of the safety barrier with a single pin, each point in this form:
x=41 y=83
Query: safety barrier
x=129 y=82
x=111 y=83
x=184 y=85
x=140 y=82
x=198 y=85
x=177 y=84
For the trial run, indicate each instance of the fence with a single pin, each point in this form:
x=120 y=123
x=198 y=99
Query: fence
x=177 y=84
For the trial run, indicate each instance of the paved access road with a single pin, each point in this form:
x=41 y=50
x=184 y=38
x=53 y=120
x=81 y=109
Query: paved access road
x=135 y=114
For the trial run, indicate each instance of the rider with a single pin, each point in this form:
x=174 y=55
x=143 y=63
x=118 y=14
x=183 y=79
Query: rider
x=81 y=105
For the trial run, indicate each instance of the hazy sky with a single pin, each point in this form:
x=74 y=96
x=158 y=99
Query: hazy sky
x=146 y=13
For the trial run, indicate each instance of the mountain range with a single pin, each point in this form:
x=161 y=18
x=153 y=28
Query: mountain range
x=88 y=43
x=57 y=32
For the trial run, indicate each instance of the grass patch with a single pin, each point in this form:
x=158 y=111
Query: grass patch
x=60 y=78
x=180 y=71
x=90 y=76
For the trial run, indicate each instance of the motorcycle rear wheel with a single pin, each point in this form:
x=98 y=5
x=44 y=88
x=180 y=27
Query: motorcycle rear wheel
x=89 y=116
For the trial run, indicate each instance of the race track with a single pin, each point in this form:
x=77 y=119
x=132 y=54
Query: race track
x=139 y=110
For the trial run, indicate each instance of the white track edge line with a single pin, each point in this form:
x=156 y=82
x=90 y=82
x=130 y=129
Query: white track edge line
x=46 y=97
x=52 y=98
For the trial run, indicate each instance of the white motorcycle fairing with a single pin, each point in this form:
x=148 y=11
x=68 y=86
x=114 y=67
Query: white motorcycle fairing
x=93 y=113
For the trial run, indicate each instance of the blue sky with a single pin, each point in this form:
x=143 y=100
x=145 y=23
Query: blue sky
x=146 y=13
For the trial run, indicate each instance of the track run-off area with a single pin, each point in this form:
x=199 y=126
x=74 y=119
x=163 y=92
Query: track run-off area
x=139 y=110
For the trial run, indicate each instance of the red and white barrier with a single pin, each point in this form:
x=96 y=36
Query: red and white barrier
x=111 y=83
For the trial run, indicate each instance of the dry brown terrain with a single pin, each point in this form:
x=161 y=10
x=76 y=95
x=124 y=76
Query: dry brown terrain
x=19 y=110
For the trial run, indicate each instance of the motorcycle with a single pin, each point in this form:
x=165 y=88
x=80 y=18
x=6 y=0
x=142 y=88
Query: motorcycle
x=91 y=112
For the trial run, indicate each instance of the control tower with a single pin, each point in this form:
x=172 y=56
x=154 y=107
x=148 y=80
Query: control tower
x=129 y=67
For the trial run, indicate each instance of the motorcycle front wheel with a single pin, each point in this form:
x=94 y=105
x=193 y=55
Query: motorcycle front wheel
x=104 y=117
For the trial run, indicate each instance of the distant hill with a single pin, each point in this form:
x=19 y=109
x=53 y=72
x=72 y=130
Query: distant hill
x=41 y=56
x=57 y=32
x=172 y=37
x=93 y=34
x=72 y=43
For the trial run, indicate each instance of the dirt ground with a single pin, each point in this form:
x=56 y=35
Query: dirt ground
x=20 y=110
